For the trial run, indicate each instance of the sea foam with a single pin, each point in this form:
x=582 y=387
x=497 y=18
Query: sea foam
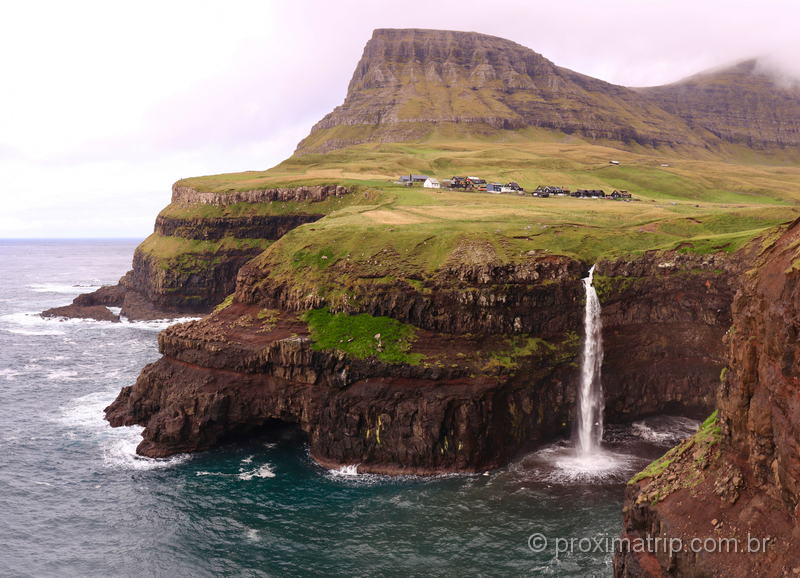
x=118 y=445
x=62 y=288
x=263 y=471
x=32 y=323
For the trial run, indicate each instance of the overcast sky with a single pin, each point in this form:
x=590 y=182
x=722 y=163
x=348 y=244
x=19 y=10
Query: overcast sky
x=103 y=104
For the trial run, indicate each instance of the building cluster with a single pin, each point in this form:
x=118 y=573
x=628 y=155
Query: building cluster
x=471 y=183
x=601 y=194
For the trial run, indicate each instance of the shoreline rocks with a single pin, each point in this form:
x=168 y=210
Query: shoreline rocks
x=748 y=488
x=74 y=311
x=228 y=374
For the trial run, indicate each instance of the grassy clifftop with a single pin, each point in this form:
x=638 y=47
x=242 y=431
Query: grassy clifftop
x=384 y=232
x=416 y=232
x=700 y=205
x=531 y=160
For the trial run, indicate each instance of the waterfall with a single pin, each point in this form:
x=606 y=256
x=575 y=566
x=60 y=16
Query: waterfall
x=590 y=394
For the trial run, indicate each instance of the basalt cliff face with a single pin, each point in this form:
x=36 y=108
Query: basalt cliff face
x=747 y=104
x=497 y=347
x=454 y=410
x=664 y=317
x=411 y=83
x=189 y=264
x=740 y=477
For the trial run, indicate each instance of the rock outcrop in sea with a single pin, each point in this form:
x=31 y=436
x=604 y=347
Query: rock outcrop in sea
x=189 y=264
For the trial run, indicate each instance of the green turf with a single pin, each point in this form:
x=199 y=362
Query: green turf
x=386 y=233
x=362 y=336
x=707 y=435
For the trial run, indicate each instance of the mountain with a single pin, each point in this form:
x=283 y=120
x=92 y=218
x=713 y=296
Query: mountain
x=745 y=104
x=411 y=84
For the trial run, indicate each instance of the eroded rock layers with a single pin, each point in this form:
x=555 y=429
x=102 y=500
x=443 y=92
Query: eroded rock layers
x=190 y=263
x=742 y=480
x=497 y=347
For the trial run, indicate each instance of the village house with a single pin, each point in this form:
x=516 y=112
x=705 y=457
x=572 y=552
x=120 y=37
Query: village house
x=625 y=195
x=468 y=183
x=459 y=183
x=546 y=191
x=410 y=180
x=478 y=183
x=589 y=194
x=512 y=187
x=431 y=183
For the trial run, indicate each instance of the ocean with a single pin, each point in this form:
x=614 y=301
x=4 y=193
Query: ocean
x=75 y=500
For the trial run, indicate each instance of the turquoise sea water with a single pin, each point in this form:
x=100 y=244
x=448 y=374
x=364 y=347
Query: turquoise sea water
x=76 y=501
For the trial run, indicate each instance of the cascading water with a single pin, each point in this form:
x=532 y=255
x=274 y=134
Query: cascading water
x=583 y=459
x=590 y=394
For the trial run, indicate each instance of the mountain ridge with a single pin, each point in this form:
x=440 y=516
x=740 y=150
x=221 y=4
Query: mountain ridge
x=408 y=82
x=741 y=103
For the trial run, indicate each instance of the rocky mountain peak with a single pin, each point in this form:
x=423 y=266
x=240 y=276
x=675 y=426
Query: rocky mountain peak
x=410 y=83
x=394 y=57
x=748 y=103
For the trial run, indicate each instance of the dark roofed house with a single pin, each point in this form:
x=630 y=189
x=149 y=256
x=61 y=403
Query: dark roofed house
x=589 y=193
x=546 y=191
x=512 y=187
x=620 y=195
x=412 y=179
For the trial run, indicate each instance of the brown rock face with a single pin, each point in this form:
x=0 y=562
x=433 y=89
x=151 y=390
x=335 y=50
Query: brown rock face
x=230 y=374
x=532 y=297
x=187 y=195
x=177 y=291
x=158 y=288
x=215 y=228
x=409 y=81
x=751 y=483
x=759 y=399
x=664 y=317
x=746 y=104
x=111 y=296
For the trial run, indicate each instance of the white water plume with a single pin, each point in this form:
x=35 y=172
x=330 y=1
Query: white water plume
x=590 y=394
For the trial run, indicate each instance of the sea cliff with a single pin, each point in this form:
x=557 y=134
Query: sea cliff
x=488 y=372
x=739 y=477
x=189 y=264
